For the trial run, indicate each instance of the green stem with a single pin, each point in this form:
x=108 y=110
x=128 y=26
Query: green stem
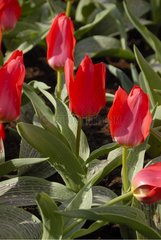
x=59 y=82
x=125 y=170
x=79 y=127
x=119 y=199
x=68 y=7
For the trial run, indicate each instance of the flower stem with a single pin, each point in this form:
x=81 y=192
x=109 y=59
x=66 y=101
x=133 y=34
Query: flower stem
x=125 y=170
x=79 y=127
x=119 y=199
x=59 y=82
x=68 y=7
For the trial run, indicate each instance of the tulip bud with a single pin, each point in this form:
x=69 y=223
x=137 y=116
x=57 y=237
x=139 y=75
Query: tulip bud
x=60 y=42
x=12 y=75
x=10 y=12
x=129 y=117
x=146 y=185
x=87 y=89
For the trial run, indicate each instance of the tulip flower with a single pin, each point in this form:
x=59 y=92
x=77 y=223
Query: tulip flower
x=12 y=75
x=60 y=42
x=87 y=89
x=129 y=117
x=10 y=12
x=2 y=132
x=146 y=185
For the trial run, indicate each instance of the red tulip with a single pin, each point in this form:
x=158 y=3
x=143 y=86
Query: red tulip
x=2 y=133
x=60 y=42
x=129 y=117
x=146 y=185
x=10 y=12
x=87 y=90
x=12 y=75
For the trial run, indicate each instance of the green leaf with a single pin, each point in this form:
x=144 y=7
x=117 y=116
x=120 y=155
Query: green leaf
x=84 y=9
x=151 y=39
x=25 y=36
x=102 y=195
x=82 y=200
x=17 y=163
x=125 y=81
x=69 y=126
x=64 y=161
x=22 y=191
x=132 y=217
x=103 y=150
x=92 y=228
x=17 y=223
x=99 y=169
x=99 y=17
x=136 y=160
x=44 y=113
x=96 y=46
x=43 y=169
x=52 y=221
x=151 y=78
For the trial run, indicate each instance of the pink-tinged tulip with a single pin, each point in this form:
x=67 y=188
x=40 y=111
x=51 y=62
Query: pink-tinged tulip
x=10 y=12
x=12 y=75
x=87 y=89
x=60 y=42
x=146 y=185
x=129 y=117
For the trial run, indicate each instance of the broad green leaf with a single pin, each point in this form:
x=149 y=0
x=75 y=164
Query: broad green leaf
x=63 y=160
x=99 y=169
x=132 y=217
x=156 y=9
x=155 y=135
x=99 y=17
x=102 y=195
x=25 y=36
x=104 y=150
x=151 y=39
x=52 y=221
x=84 y=9
x=136 y=160
x=69 y=126
x=22 y=191
x=15 y=164
x=44 y=113
x=85 y=231
x=43 y=169
x=96 y=46
x=82 y=200
x=151 y=78
x=17 y=223
x=126 y=83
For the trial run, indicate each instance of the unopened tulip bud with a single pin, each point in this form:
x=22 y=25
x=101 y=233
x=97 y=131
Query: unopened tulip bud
x=87 y=88
x=146 y=185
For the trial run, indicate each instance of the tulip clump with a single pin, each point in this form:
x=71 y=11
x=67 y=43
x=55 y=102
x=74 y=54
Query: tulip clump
x=87 y=88
x=130 y=117
x=146 y=185
x=60 y=42
x=12 y=75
